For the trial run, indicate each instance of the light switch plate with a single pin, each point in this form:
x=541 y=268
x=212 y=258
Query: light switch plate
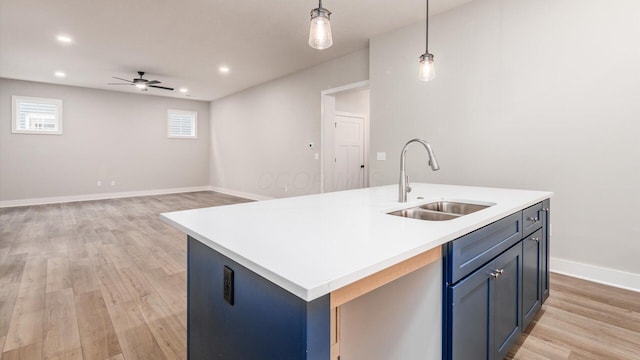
x=381 y=156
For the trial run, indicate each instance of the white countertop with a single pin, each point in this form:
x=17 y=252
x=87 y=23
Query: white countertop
x=312 y=245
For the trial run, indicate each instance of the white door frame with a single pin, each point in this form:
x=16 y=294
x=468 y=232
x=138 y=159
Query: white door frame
x=324 y=119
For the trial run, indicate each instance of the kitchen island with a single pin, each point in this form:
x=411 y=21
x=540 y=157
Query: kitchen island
x=268 y=279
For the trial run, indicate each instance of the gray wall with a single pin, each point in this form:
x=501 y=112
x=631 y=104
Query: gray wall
x=356 y=101
x=528 y=94
x=107 y=136
x=259 y=136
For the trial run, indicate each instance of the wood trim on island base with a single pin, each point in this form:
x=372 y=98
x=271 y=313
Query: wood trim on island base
x=370 y=283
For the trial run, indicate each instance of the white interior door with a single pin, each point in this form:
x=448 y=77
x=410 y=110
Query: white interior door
x=349 y=151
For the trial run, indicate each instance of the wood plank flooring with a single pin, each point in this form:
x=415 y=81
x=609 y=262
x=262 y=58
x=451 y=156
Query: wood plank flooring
x=583 y=320
x=106 y=280
x=95 y=280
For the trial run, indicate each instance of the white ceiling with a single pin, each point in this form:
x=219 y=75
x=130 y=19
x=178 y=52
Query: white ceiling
x=182 y=43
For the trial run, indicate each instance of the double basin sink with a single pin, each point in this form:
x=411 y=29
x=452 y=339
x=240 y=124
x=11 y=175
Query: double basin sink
x=440 y=210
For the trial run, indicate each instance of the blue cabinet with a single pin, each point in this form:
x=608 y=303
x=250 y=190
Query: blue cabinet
x=546 y=237
x=475 y=249
x=263 y=321
x=531 y=276
x=489 y=300
x=485 y=309
x=506 y=301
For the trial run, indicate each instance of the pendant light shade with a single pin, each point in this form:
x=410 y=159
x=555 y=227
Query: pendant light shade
x=426 y=70
x=320 y=28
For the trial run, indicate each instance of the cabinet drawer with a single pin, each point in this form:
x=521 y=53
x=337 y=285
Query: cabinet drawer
x=532 y=219
x=466 y=254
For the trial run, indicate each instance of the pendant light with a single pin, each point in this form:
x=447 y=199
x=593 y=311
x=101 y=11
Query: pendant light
x=320 y=29
x=427 y=69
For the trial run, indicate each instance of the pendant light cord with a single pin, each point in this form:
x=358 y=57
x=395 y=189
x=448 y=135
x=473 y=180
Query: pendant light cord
x=426 y=46
x=320 y=4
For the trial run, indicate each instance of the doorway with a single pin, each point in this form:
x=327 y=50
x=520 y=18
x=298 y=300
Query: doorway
x=349 y=151
x=345 y=138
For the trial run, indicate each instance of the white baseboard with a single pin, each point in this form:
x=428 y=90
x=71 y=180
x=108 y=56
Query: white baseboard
x=607 y=276
x=102 y=196
x=239 y=193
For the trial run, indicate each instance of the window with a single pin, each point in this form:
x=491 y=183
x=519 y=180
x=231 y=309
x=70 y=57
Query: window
x=36 y=115
x=182 y=124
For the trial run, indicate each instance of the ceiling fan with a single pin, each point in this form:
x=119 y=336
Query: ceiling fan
x=140 y=83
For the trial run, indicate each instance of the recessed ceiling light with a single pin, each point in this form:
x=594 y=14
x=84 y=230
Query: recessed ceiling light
x=184 y=90
x=224 y=69
x=65 y=39
x=59 y=74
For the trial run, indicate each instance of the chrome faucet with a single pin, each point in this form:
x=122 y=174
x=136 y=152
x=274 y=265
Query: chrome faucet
x=404 y=187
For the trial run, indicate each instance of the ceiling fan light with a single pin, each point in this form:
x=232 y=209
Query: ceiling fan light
x=141 y=86
x=320 y=29
x=427 y=69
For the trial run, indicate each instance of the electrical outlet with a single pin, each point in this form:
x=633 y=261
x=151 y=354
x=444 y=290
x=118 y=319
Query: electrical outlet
x=228 y=285
x=113 y=183
x=381 y=156
x=99 y=183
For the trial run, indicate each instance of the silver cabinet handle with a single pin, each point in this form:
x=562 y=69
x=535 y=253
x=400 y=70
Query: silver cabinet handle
x=536 y=239
x=497 y=273
x=534 y=219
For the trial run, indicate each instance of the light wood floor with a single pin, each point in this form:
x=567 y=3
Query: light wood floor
x=106 y=280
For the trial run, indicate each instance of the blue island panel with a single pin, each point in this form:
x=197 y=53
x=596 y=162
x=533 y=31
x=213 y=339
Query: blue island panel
x=264 y=322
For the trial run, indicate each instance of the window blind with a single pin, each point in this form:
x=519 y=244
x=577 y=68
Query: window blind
x=34 y=115
x=182 y=124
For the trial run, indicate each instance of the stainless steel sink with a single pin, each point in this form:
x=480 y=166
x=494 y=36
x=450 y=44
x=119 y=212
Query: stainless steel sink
x=439 y=210
x=456 y=208
x=418 y=213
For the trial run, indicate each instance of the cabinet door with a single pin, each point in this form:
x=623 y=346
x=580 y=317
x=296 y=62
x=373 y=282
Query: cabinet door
x=531 y=276
x=469 y=313
x=546 y=236
x=507 y=287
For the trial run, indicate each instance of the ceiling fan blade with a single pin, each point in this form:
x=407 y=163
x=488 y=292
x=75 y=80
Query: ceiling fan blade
x=118 y=84
x=122 y=79
x=161 y=87
x=153 y=82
